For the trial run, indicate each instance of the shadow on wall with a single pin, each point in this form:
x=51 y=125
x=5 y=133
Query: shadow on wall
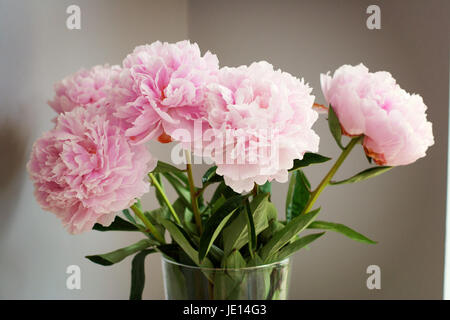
x=14 y=138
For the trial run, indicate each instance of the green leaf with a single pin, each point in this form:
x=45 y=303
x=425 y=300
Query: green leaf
x=223 y=189
x=297 y=245
x=207 y=240
x=335 y=127
x=340 y=228
x=255 y=261
x=171 y=250
x=211 y=176
x=308 y=159
x=270 y=213
x=180 y=237
x=285 y=235
x=216 y=222
x=250 y=226
x=212 y=207
x=266 y=187
x=129 y=216
x=201 y=202
x=219 y=202
x=218 y=192
x=259 y=282
x=274 y=227
x=163 y=167
x=214 y=252
x=363 y=175
x=189 y=225
x=185 y=214
x=138 y=274
x=234 y=261
x=155 y=215
x=183 y=211
x=118 y=224
x=228 y=284
x=298 y=194
x=182 y=190
x=110 y=258
x=235 y=235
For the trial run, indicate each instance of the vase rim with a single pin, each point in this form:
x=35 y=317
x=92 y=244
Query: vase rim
x=281 y=263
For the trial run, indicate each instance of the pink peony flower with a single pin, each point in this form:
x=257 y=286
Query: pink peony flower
x=83 y=88
x=84 y=170
x=162 y=88
x=264 y=119
x=394 y=122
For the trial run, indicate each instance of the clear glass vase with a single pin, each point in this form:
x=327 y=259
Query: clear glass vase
x=265 y=282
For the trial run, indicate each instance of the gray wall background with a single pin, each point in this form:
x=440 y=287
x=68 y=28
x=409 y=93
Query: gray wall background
x=404 y=210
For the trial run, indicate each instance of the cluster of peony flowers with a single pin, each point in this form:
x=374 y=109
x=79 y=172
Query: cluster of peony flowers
x=94 y=162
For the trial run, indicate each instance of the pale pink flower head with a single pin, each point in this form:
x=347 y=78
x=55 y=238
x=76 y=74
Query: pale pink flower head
x=162 y=88
x=83 y=88
x=85 y=171
x=394 y=122
x=264 y=118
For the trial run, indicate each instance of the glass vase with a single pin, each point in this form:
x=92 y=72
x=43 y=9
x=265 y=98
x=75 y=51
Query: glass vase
x=265 y=282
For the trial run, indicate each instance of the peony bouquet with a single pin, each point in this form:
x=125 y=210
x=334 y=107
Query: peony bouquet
x=253 y=124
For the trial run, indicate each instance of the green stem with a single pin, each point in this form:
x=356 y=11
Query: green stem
x=326 y=180
x=198 y=220
x=163 y=195
x=255 y=190
x=211 y=290
x=151 y=228
x=201 y=190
